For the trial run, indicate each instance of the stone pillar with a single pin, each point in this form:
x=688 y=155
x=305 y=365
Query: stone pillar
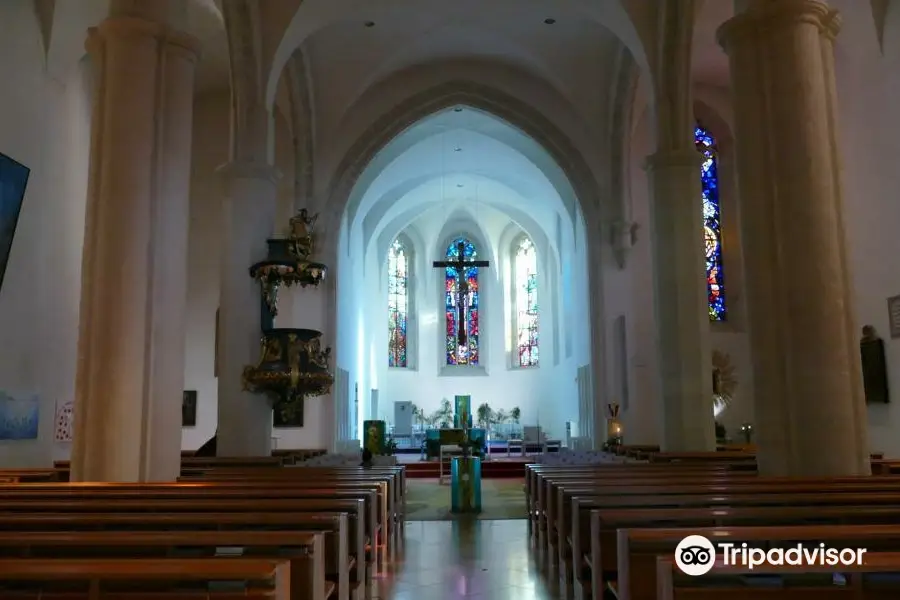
x=681 y=305
x=809 y=405
x=130 y=373
x=245 y=419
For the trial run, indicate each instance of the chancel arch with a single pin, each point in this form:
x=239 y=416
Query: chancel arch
x=459 y=175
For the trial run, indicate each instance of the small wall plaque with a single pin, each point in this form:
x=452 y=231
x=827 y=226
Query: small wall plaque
x=894 y=316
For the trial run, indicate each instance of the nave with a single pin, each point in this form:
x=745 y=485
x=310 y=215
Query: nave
x=466 y=558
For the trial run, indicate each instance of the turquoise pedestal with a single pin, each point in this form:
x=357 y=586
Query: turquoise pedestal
x=465 y=484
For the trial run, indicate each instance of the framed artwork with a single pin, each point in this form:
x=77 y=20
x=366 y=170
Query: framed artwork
x=288 y=415
x=894 y=316
x=13 y=180
x=189 y=408
x=18 y=418
x=63 y=422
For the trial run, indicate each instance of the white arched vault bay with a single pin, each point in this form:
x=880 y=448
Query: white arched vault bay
x=462 y=172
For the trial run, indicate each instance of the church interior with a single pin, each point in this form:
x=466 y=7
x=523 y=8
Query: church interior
x=542 y=299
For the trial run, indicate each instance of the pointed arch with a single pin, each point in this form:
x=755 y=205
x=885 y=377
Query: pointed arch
x=712 y=222
x=399 y=287
x=462 y=320
x=525 y=301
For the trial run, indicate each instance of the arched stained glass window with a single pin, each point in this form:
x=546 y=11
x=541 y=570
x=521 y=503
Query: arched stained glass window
x=398 y=304
x=525 y=280
x=712 y=222
x=461 y=316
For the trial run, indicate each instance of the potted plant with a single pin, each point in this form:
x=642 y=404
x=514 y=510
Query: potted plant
x=484 y=415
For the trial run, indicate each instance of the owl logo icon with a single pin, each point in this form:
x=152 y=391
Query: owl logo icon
x=695 y=555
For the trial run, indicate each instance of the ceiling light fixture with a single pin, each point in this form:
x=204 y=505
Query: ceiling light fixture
x=459 y=185
x=457 y=149
x=549 y=21
x=369 y=23
x=457 y=109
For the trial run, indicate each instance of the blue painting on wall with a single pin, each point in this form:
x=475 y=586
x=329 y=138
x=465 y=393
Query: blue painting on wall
x=13 y=179
x=18 y=418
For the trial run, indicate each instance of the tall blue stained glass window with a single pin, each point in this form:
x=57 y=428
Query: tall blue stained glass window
x=398 y=304
x=466 y=353
x=525 y=277
x=712 y=222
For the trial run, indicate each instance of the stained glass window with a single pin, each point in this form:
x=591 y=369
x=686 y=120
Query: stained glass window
x=463 y=351
x=712 y=222
x=525 y=280
x=398 y=304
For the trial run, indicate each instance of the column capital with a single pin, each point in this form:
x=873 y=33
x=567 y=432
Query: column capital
x=667 y=159
x=249 y=170
x=765 y=16
x=127 y=27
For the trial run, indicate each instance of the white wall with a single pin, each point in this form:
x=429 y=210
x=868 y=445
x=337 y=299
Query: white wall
x=868 y=85
x=546 y=395
x=44 y=124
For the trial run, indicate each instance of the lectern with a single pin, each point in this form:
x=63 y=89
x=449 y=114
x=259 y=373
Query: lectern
x=465 y=484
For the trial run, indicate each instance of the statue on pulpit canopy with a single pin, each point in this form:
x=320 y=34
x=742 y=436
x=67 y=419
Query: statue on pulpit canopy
x=874 y=366
x=302 y=227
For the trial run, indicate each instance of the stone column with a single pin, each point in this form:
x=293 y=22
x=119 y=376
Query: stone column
x=245 y=419
x=809 y=406
x=682 y=312
x=130 y=374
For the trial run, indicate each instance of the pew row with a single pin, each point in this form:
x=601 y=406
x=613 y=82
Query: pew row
x=305 y=551
x=353 y=579
x=638 y=549
x=847 y=582
x=130 y=578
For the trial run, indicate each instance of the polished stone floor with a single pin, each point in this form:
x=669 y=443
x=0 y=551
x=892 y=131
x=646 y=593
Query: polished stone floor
x=478 y=560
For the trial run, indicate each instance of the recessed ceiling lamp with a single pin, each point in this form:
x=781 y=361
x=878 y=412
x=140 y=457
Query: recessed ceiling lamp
x=457 y=149
x=369 y=23
x=457 y=109
x=549 y=21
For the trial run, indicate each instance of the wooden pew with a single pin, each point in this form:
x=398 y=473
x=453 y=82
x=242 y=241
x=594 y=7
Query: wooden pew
x=390 y=481
x=566 y=521
x=351 y=573
x=760 y=497
x=273 y=577
x=307 y=565
x=557 y=517
x=601 y=562
x=534 y=474
x=724 y=581
x=137 y=494
x=639 y=548
x=642 y=495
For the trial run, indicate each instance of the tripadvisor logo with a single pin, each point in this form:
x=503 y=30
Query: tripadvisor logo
x=695 y=555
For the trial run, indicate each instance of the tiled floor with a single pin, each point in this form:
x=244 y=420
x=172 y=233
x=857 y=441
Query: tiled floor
x=477 y=560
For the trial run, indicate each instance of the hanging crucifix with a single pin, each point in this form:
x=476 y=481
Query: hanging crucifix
x=459 y=266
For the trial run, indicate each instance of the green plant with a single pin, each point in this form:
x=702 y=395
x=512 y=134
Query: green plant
x=500 y=417
x=515 y=414
x=484 y=415
x=390 y=447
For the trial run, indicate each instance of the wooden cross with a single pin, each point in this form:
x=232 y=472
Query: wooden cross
x=462 y=285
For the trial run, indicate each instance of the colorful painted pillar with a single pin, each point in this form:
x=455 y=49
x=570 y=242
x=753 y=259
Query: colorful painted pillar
x=375 y=439
x=463 y=417
x=465 y=484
